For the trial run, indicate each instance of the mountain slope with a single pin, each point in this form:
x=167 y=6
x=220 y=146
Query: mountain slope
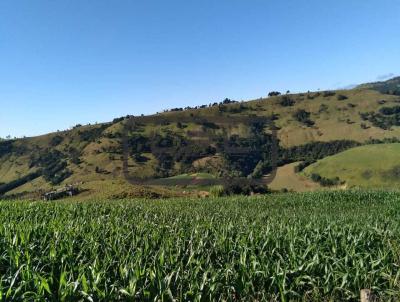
x=200 y=140
x=391 y=86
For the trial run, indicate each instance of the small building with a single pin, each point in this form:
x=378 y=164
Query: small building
x=61 y=193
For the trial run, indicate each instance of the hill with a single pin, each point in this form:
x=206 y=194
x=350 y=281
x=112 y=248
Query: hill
x=372 y=166
x=226 y=139
x=391 y=86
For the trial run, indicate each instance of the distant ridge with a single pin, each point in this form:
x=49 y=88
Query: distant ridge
x=391 y=86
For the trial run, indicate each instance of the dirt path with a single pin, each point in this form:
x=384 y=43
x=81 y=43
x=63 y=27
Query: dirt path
x=287 y=178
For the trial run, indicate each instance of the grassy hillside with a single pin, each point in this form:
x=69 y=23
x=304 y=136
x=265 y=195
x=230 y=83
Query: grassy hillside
x=291 y=247
x=371 y=166
x=200 y=140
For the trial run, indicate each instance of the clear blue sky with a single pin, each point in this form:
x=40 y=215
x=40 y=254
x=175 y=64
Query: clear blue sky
x=74 y=61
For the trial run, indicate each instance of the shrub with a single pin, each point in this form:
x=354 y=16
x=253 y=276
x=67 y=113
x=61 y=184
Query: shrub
x=140 y=158
x=286 y=101
x=303 y=116
x=117 y=120
x=179 y=125
x=325 y=182
x=209 y=125
x=328 y=93
x=367 y=174
x=261 y=169
x=393 y=173
x=6 y=147
x=228 y=101
x=390 y=110
x=301 y=166
x=91 y=135
x=342 y=97
x=139 y=143
x=56 y=140
x=384 y=119
x=242 y=186
x=52 y=164
x=274 y=93
x=323 y=108
x=4 y=188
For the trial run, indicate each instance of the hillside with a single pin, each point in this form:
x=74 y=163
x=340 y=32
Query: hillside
x=227 y=139
x=391 y=86
x=371 y=166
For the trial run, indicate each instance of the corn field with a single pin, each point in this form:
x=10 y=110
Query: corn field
x=293 y=247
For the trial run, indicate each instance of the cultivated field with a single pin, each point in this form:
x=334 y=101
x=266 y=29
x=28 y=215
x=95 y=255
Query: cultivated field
x=314 y=247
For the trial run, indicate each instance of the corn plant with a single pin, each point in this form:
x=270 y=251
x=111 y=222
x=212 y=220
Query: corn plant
x=290 y=247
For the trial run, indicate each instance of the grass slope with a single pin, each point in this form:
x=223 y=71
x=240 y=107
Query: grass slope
x=292 y=247
x=371 y=166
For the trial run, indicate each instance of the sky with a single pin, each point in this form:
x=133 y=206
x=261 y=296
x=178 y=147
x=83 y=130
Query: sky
x=73 y=61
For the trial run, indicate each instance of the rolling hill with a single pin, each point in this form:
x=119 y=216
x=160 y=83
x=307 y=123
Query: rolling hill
x=371 y=166
x=226 y=139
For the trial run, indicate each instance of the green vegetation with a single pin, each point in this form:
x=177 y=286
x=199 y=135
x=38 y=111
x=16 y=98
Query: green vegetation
x=326 y=182
x=18 y=182
x=370 y=166
x=386 y=118
x=6 y=147
x=311 y=152
x=313 y=247
x=52 y=164
x=303 y=117
x=286 y=101
x=342 y=97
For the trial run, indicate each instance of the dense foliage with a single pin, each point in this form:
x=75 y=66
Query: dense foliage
x=311 y=152
x=286 y=101
x=390 y=110
x=6 y=147
x=5 y=187
x=56 y=140
x=341 y=97
x=328 y=93
x=303 y=116
x=245 y=156
x=386 y=118
x=92 y=134
x=9 y=146
x=307 y=247
x=52 y=164
x=326 y=182
x=240 y=186
x=274 y=93
x=249 y=155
